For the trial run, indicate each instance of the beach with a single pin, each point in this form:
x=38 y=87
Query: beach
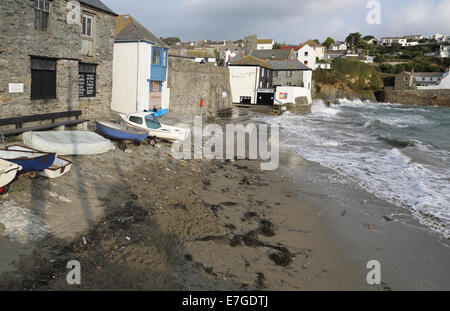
x=145 y=221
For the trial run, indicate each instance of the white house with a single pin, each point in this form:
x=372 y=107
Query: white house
x=444 y=51
x=139 y=68
x=325 y=66
x=439 y=37
x=319 y=48
x=251 y=81
x=307 y=56
x=388 y=41
x=432 y=81
x=265 y=44
x=338 y=46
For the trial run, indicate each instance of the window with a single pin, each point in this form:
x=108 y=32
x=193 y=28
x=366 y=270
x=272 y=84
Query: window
x=306 y=62
x=41 y=13
x=306 y=53
x=274 y=73
x=87 y=80
x=164 y=58
x=86 y=23
x=289 y=73
x=43 y=78
x=406 y=78
x=156 y=59
x=152 y=122
x=260 y=84
x=155 y=86
x=137 y=120
x=87 y=31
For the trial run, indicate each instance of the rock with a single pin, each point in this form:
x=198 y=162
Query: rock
x=2 y=228
x=128 y=151
x=259 y=282
x=388 y=218
x=369 y=226
x=266 y=228
x=281 y=256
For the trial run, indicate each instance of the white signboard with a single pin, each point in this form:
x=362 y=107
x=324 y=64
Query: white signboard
x=15 y=87
x=224 y=94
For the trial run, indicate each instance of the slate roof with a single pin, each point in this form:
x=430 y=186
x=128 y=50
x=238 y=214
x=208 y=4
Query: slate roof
x=129 y=29
x=272 y=54
x=97 y=4
x=287 y=65
x=250 y=61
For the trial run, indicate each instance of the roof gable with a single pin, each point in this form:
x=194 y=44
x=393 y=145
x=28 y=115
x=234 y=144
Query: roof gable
x=97 y=4
x=129 y=29
x=250 y=61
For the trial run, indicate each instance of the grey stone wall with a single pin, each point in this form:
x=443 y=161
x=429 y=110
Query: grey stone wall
x=282 y=80
x=62 y=41
x=190 y=82
x=417 y=97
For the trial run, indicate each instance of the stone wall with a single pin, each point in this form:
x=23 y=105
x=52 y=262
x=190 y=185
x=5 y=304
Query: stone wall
x=416 y=97
x=61 y=41
x=190 y=82
x=283 y=80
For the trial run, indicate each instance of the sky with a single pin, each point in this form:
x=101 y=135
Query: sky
x=286 y=21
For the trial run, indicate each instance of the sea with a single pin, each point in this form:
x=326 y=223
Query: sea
x=399 y=153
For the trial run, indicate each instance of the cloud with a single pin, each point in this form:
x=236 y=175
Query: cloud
x=291 y=21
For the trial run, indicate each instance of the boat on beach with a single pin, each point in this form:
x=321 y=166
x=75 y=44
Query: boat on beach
x=148 y=121
x=29 y=161
x=119 y=131
x=8 y=172
x=58 y=168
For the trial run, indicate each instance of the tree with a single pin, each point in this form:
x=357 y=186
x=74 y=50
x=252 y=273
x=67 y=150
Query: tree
x=329 y=41
x=276 y=46
x=171 y=40
x=353 y=38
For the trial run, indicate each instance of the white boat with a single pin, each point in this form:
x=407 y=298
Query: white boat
x=147 y=121
x=59 y=167
x=8 y=172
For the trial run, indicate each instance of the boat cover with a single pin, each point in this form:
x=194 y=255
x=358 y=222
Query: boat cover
x=68 y=142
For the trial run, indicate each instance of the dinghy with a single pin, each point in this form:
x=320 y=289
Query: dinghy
x=58 y=168
x=29 y=161
x=68 y=142
x=8 y=172
x=158 y=113
x=147 y=121
x=119 y=131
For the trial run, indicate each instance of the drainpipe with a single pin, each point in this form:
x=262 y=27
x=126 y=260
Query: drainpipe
x=137 y=76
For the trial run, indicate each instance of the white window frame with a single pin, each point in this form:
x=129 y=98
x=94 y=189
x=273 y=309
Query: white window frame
x=84 y=23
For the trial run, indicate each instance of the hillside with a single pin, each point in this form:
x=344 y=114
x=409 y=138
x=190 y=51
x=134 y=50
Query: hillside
x=348 y=78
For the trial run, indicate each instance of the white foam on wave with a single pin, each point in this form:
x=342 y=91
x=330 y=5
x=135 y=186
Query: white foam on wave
x=389 y=173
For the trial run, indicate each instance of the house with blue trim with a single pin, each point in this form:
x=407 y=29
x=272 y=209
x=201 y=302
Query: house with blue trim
x=139 y=68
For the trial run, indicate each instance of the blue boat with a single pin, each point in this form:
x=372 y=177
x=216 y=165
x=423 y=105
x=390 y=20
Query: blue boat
x=158 y=113
x=119 y=132
x=30 y=161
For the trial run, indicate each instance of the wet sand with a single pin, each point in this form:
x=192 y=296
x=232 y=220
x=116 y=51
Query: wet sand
x=144 y=221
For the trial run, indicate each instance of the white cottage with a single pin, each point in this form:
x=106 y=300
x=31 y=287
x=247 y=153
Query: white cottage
x=307 y=55
x=251 y=81
x=139 y=68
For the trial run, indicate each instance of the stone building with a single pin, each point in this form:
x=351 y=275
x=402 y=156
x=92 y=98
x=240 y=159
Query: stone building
x=55 y=57
x=290 y=73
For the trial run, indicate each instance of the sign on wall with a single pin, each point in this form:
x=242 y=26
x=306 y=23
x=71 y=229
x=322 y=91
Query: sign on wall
x=283 y=95
x=15 y=87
